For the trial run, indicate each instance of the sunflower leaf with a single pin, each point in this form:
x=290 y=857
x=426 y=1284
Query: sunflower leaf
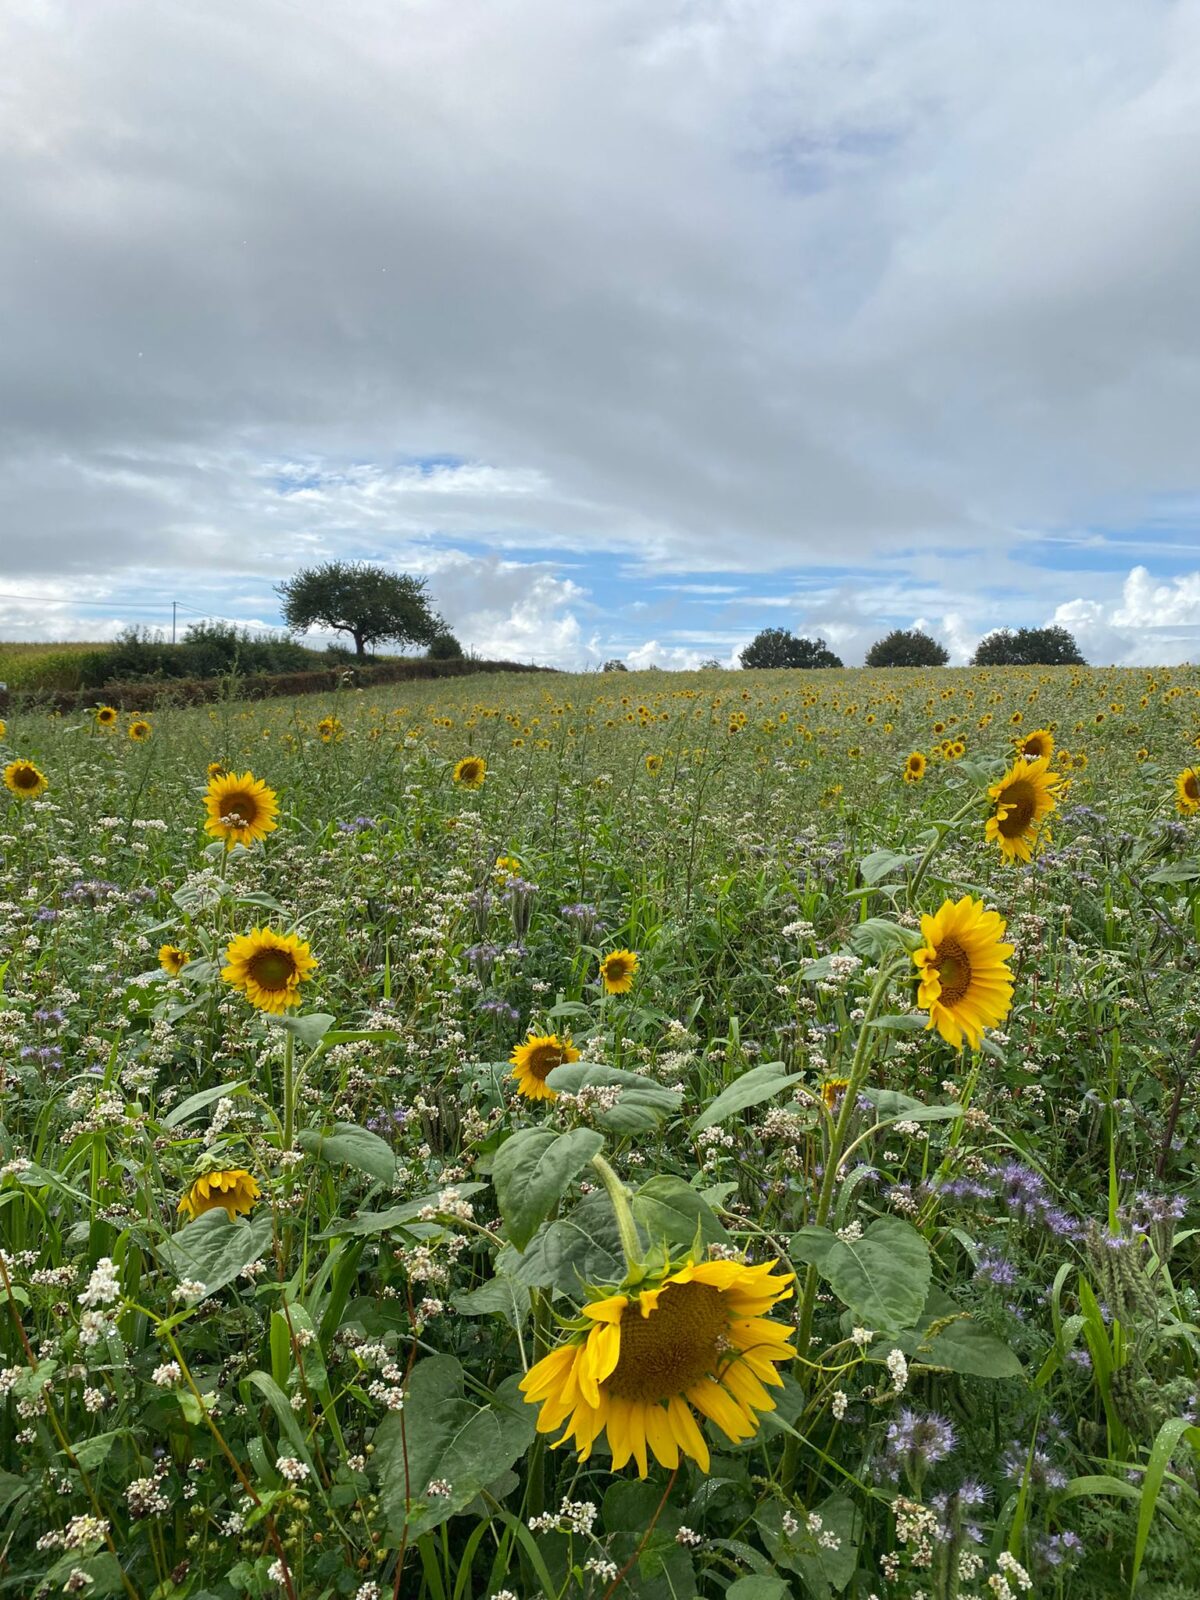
x=213 y=1249
x=884 y=1276
x=531 y=1171
x=751 y=1088
x=356 y=1147
x=308 y=1030
x=877 y=937
x=670 y=1210
x=643 y=1104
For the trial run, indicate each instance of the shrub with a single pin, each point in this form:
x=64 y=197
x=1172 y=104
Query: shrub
x=777 y=647
x=907 y=647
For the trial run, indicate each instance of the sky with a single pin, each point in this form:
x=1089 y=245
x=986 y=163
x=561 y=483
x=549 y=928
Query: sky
x=634 y=326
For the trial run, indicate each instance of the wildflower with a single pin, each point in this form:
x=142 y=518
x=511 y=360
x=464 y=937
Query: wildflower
x=1025 y=797
x=965 y=984
x=331 y=730
x=698 y=1339
x=140 y=730
x=24 y=780
x=104 y=1287
x=235 y=1190
x=106 y=716
x=1033 y=746
x=294 y=1471
x=897 y=1366
x=268 y=968
x=507 y=867
x=914 y=767
x=1187 y=792
x=654 y=764
x=533 y=1061
x=616 y=971
x=241 y=810
x=470 y=772
x=172 y=959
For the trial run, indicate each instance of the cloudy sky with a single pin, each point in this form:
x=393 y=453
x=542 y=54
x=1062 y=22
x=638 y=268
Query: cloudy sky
x=634 y=325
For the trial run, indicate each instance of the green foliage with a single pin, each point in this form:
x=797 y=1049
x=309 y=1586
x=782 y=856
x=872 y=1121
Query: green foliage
x=778 y=647
x=1028 y=647
x=368 y=602
x=907 y=647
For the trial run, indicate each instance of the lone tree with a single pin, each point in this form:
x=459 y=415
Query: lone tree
x=907 y=647
x=369 y=603
x=614 y=665
x=1029 y=647
x=777 y=647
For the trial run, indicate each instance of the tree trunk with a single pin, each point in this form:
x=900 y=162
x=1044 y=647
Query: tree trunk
x=359 y=649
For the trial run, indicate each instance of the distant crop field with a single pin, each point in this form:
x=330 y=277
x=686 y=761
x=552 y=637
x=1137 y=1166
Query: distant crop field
x=44 y=664
x=776 y=1088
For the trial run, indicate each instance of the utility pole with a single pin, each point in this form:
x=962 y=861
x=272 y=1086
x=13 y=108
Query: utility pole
x=174 y=603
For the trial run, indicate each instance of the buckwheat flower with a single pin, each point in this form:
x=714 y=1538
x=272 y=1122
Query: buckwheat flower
x=862 y=1337
x=839 y=1403
x=689 y=1538
x=104 y=1288
x=168 y=1375
x=294 y=1471
x=440 y=1488
x=898 y=1367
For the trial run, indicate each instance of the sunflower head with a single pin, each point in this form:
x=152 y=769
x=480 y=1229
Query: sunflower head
x=647 y=1367
x=533 y=1061
x=507 y=867
x=470 y=772
x=832 y=1090
x=216 y=770
x=140 y=730
x=616 y=971
x=24 y=780
x=234 y=1191
x=3 y=728
x=106 y=716
x=914 y=767
x=1187 y=792
x=331 y=730
x=1032 y=746
x=965 y=983
x=1025 y=796
x=172 y=959
x=653 y=764
x=241 y=810
x=268 y=968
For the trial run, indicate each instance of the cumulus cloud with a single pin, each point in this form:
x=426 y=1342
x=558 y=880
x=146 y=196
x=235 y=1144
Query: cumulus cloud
x=1152 y=622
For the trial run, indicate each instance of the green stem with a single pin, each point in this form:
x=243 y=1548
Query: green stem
x=618 y=1194
x=935 y=845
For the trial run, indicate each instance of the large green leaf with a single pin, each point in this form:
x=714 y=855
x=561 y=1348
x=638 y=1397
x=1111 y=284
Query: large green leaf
x=531 y=1171
x=759 y=1084
x=877 y=937
x=442 y=1438
x=367 y=1222
x=352 y=1146
x=965 y=1347
x=196 y=1102
x=884 y=1276
x=889 y=1103
x=643 y=1105
x=213 y=1249
x=672 y=1212
x=583 y=1247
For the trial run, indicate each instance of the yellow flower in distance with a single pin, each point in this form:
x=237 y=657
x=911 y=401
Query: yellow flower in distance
x=470 y=772
x=234 y=1191
x=268 y=968
x=24 y=780
x=914 y=767
x=1036 y=744
x=698 y=1342
x=216 y=770
x=965 y=984
x=534 y=1060
x=507 y=867
x=1025 y=796
x=331 y=730
x=241 y=810
x=106 y=716
x=172 y=959
x=617 y=970
x=140 y=730
x=1187 y=792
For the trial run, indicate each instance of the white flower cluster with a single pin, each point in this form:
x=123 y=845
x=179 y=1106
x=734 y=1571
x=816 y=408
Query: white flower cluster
x=573 y=1516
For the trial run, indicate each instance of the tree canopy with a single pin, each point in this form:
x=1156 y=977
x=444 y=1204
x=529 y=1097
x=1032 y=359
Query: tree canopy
x=778 y=647
x=1029 y=647
x=907 y=647
x=368 y=602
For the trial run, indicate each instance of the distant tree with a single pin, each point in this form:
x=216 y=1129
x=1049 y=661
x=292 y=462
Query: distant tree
x=445 y=647
x=907 y=647
x=711 y=664
x=777 y=647
x=1029 y=647
x=614 y=666
x=367 y=602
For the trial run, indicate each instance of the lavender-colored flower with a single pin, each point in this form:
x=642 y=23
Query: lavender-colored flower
x=917 y=1440
x=479 y=904
x=586 y=921
x=357 y=825
x=520 y=895
x=482 y=959
x=996 y=1269
x=500 y=1010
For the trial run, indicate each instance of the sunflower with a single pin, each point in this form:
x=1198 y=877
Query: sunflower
x=1036 y=744
x=331 y=730
x=106 y=716
x=1187 y=792
x=914 y=767
x=140 y=730
x=172 y=959
x=832 y=1090
x=617 y=970
x=1143 y=754
x=535 y=1059
x=965 y=985
x=24 y=780
x=697 y=1342
x=470 y=772
x=268 y=968
x=3 y=728
x=215 y=769
x=234 y=1191
x=1025 y=797
x=240 y=810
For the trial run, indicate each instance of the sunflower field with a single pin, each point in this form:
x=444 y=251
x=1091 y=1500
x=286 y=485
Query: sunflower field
x=575 y=1138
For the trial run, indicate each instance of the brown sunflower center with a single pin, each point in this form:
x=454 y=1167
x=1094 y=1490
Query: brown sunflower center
x=1191 y=786
x=239 y=809
x=673 y=1348
x=25 y=778
x=543 y=1059
x=616 y=968
x=1020 y=798
x=272 y=969
x=953 y=970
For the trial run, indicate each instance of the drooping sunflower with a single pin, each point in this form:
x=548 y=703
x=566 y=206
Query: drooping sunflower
x=1032 y=746
x=234 y=1191
x=965 y=984
x=914 y=767
x=534 y=1060
x=215 y=769
x=241 y=810
x=172 y=959
x=24 y=780
x=1025 y=796
x=268 y=968
x=106 y=716
x=1187 y=792
x=470 y=772
x=698 y=1341
x=616 y=971
x=140 y=730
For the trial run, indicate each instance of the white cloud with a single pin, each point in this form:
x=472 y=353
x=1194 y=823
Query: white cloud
x=1151 y=623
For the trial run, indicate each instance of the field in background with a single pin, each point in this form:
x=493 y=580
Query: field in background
x=1002 y=1381
x=44 y=665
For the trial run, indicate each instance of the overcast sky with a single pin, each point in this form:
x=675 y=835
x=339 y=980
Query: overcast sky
x=636 y=326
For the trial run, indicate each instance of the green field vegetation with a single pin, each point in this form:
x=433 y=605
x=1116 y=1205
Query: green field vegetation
x=273 y=1280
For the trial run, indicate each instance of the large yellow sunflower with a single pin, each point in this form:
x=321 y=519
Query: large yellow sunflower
x=914 y=767
x=24 y=780
x=235 y=1191
x=700 y=1341
x=1034 y=745
x=1187 y=792
x=965 y=984
x=535 y=1059
x=240 y=810
x=268 y=968
x=470 y=772
x=1025 y=796
x=172 y=959
x=140 y=730
x=617 y=970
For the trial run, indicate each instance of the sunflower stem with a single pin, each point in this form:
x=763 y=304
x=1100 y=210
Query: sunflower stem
x=619 y=1195
x=936 y=844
